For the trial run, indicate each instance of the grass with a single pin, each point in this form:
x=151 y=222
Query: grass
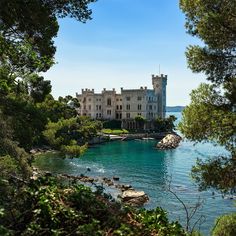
x=115 y=131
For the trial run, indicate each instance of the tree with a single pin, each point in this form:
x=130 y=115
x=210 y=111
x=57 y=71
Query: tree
x=66 y=134
x=165 y=124
x=211 y=114
x=27 y=30
x=140 y=120
x=225 y=225
x=214 y=22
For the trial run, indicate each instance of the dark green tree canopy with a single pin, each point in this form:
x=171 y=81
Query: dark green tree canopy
x=27 y=29
x=214 y=22
x=211 y=114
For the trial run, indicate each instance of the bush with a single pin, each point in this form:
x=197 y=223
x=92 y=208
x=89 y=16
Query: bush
x=225 y=226
x=47 y=206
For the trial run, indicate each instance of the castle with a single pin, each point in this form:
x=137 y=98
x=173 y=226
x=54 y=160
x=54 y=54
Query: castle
x=130 y=103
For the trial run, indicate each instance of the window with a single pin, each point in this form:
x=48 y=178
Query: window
x=89 y=99
x=120 y=115
x=117 y=107
x=127 y=98
x=100 y=115
x=89 y=107
x=100 y=107
x=108 y=112
x=109 y=102
x=154 y=107
x=128 y=107
x=121 y=99
x=96 y=107
x=139 y=107
x=120 y=107
x=150 y=107
x=139 y=98
x=128 y=115
x=84 y=107
x=96 y=115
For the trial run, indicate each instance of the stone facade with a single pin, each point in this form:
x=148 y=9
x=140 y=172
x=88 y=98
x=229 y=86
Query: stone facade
x=149 y=103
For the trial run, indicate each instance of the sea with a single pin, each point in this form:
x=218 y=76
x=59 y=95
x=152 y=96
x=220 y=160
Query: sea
x=161 y=174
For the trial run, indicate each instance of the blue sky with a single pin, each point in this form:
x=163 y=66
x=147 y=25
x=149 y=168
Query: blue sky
x=122 y=46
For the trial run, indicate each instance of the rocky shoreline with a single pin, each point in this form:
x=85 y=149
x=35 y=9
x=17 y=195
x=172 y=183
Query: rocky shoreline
x=170 y=141
x=128 y=195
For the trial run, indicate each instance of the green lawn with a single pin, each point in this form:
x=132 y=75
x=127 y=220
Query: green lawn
x=115 y=131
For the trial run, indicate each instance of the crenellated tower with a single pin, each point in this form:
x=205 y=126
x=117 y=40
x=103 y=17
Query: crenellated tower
x=159 y=85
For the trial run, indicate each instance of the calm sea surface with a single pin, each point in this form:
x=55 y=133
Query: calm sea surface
x=138 y=163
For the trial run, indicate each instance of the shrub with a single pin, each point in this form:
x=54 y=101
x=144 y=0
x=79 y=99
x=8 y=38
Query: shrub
x=225 y=226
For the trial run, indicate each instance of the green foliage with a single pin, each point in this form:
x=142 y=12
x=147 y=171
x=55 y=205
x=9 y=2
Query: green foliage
x=225 y=226
x=38 y=88
x=140 y=120
x=157 y=221
x=211 y=115
x=56 y=109
x=115 y=131
x=214 y=22
x=218 y=173
x=26 y=120
x=13 y=159
x=207 y=118
x=27 y=31
x=112 y=124
x=67 y=134
x=47 y=207
x=73 y=149
x=165 y=124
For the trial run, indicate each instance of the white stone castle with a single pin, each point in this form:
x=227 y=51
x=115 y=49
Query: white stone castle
x=130 y=103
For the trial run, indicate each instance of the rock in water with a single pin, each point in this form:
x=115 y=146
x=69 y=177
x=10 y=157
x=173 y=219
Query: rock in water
x=134 y=198
x=170 y=141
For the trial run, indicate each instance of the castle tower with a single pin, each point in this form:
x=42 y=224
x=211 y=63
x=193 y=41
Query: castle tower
x=159 y=85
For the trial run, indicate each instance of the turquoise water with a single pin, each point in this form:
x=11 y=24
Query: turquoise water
x=138 y=163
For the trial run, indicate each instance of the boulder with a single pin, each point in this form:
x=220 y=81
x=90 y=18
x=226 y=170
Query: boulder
x=107 y=181
x=134 y=198
x=115 y=178
x=170 y=141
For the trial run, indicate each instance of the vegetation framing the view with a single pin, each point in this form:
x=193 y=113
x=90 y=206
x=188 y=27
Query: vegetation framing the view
x=211 y=114
x=30 y=116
